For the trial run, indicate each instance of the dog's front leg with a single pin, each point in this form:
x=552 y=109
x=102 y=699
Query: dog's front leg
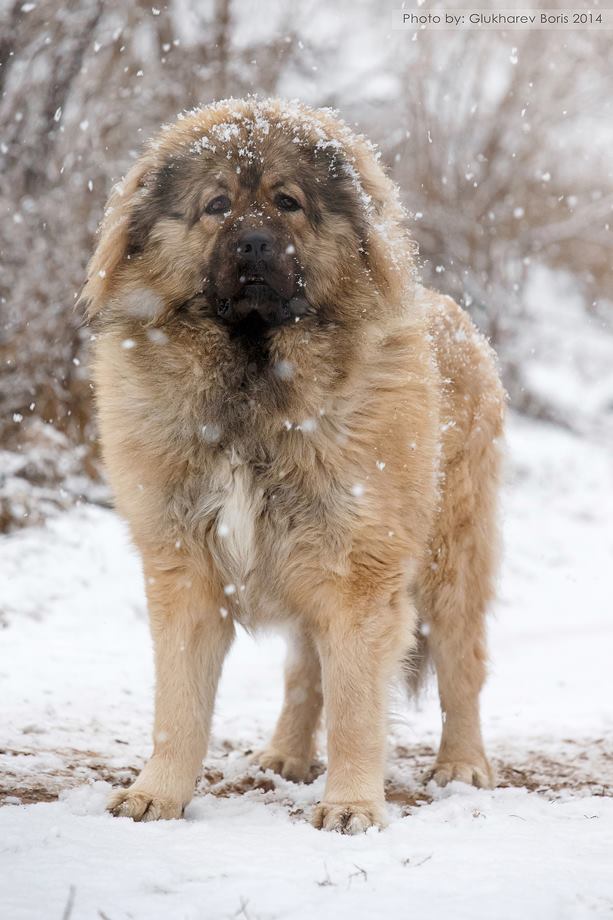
x=190 y=639
x=360 y=648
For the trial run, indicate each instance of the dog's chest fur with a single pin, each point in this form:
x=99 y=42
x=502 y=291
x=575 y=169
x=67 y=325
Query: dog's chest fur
x=232 y=537
x=269 y=503
x=256 y=518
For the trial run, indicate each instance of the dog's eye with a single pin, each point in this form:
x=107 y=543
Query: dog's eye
x=287 y=203
x=218 y=205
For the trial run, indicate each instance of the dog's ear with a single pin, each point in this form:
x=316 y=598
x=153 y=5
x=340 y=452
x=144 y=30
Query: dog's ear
x=389 y=249
x=114 y=236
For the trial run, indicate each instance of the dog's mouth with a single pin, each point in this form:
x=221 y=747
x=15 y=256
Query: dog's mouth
x=255 y=289
x=251 y=278
x=268 y=311
x=257 y=305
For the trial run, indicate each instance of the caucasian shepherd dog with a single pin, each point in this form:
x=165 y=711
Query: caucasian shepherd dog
x=297 y=433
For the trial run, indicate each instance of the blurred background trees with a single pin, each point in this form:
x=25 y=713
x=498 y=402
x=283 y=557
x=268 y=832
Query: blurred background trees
x=500 y=143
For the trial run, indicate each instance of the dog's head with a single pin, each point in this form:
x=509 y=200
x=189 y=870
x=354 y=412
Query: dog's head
x=255 y=214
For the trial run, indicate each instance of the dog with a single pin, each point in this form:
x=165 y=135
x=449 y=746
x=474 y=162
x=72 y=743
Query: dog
x=297 y=433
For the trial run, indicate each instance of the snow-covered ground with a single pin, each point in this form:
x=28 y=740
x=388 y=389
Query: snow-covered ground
x=75 y=697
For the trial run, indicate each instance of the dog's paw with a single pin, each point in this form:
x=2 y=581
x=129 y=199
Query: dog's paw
x=141 y=805
x=348 y=817
x=296 y=769
x=478 y=774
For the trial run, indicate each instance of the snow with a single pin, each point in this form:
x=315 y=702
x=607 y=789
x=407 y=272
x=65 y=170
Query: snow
x=241 y=136
x=75 y=686
x=570 y=366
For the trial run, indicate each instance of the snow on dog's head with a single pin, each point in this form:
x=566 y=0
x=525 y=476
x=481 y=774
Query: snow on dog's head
x=262 y=211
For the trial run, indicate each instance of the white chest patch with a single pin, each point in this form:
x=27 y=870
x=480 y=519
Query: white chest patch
x=235 y=526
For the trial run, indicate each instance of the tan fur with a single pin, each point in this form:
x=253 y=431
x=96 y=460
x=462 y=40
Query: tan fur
x=347 y=498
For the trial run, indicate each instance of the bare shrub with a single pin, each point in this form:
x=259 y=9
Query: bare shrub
x=83 y=86
x=496 y=147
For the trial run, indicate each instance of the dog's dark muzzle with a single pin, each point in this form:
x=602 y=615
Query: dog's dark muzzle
x=262 y=292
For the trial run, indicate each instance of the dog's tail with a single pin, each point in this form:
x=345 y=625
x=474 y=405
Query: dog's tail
x=418 y=665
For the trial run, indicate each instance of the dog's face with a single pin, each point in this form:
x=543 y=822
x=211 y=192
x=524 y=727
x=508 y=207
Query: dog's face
x=261 y=216
x=264 y=222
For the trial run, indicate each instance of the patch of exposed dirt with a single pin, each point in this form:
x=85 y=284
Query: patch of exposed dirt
x=37 y=775
x=40 y=775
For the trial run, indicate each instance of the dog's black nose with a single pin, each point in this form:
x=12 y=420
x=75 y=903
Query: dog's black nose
x=255 y=246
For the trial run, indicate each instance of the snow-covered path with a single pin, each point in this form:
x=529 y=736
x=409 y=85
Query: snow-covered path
x=75 y=699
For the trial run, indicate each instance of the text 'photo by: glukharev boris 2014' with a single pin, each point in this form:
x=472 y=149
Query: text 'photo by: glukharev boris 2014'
x=512 y=19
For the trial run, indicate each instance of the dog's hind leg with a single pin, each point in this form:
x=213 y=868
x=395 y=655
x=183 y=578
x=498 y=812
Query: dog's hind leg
x=455 y=589
x=292 y=748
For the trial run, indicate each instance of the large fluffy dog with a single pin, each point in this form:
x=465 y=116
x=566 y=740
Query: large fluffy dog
x=297 y=433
